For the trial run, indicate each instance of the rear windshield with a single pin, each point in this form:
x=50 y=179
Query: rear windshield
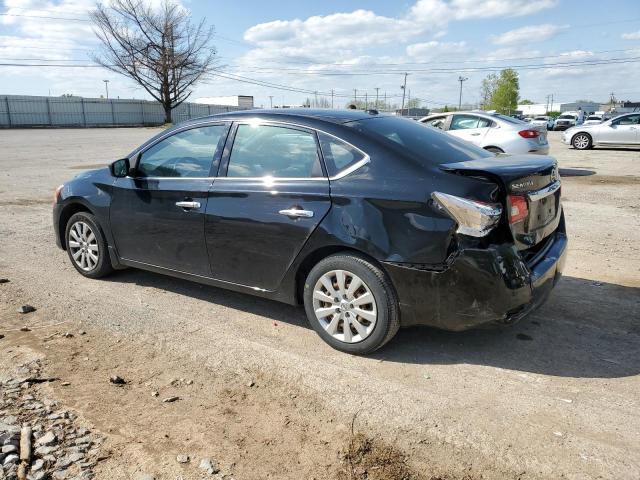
x=540 y=118
x=508 y=119
x=570 y=117
x=426 y=144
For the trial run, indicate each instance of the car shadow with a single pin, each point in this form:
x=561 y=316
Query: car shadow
x=587 y=329
x=576 y=172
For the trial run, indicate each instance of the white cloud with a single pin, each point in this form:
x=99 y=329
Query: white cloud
x=440 y=10
x=528 y=34
x=631 y=35
x=434 y=49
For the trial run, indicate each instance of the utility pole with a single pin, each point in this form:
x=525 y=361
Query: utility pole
x=106 y=87
x=316 y=99
x=551 y=107
x=355 y=96
x=366 y=101
x=270 y=101
x=377 y=89
x=385 y=100
x=332 y=98
x=461 y=79
x=404 y=89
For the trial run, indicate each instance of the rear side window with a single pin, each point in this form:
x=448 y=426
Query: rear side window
x=189 y=153
x=267 y=150
x=461 y=122
x=426 y=145
x=337 y=154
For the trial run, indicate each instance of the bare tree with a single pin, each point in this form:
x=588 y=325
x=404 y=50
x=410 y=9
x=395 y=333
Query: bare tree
x=160 y=49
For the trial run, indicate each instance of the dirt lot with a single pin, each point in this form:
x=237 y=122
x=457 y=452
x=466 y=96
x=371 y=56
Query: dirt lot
x=556 y=396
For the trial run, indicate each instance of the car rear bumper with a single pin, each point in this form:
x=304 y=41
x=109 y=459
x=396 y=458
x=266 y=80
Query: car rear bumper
x=480 y=286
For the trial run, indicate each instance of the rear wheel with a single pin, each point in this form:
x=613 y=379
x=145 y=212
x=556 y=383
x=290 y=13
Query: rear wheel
x=582 y=141
x=86 y=246
x=351 y=304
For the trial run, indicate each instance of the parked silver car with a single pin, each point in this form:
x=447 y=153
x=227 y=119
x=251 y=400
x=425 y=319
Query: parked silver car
x=492 y=131
x=622 y=130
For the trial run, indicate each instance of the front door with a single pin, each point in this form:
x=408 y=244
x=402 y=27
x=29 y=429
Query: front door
x=261 y=213
x=622 y=131
x=157 y=216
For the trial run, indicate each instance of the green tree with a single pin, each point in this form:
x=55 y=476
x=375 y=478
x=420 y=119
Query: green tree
x=505 y=97
x=446 y=108
x=526 y=102
x=487 y=89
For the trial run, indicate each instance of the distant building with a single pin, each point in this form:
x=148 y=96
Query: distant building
x=244 y=101
x=622 y=107
x=535 y=109
x=585 y=106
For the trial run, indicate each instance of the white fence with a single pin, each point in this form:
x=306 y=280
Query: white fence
x=18 y=111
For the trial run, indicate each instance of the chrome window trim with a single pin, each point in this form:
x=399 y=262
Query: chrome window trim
x=341 y=174
x=544 y=192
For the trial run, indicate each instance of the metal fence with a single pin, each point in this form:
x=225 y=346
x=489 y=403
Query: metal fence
x=18 y=111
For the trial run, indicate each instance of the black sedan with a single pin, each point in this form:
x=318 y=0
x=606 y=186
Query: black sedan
x=372 y=222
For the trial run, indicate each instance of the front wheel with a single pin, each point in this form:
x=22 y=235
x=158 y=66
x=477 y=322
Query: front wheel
x=581 y=141
x=351 y=304
x=86 y=246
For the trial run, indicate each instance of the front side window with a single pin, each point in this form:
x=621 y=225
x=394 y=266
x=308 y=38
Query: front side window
x=267 y=150
x=337 y=154
x=189 y=153
x=462 y=122
x=628 y=120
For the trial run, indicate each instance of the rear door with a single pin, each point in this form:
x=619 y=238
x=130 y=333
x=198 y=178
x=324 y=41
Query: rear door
x=469 y=127
x=271 y=194
x=157 y=216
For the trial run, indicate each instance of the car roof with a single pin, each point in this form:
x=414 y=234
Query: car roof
x=283 y=114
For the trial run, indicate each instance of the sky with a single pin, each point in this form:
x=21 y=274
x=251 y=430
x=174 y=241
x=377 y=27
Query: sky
x=571 y=49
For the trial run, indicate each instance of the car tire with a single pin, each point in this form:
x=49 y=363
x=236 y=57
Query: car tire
x=582 y=141
x=368 y=308
x=495 y=150
x=86 y=246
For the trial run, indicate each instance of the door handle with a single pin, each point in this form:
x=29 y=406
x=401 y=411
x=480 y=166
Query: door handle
x=475 y=134
x=188 y=205
x=296 y=213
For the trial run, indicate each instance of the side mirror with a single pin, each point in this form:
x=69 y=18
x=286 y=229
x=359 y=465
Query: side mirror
x=120 y=168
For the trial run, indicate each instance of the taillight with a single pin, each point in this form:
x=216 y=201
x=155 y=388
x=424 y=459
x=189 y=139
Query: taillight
x=529 y=133
x=519 y=208
x=474 y=218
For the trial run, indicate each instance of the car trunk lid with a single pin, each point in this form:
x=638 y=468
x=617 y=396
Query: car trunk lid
x=531 y=192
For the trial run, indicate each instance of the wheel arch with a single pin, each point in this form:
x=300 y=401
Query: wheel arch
x=312 y=259
x=67 y=211
x=582 y=132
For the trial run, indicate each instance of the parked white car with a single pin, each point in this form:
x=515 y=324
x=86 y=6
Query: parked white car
x=622 y=130
x=544 y=121
x=492 y=131
x=593 y=120
x=566 y=120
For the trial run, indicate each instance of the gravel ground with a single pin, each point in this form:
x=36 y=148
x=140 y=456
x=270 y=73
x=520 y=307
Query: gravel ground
x=556 y=396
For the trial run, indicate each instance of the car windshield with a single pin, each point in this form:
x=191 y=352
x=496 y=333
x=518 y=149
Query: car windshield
x=541 y=118
x=425 y=144
x=594 y=118
x=567 y=117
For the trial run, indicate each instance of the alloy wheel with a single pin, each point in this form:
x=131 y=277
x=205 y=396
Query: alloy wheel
x=345 y=306
x=83 y=246
x=581 y=142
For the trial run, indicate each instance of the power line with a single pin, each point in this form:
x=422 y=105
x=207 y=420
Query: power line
x=46 y=17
